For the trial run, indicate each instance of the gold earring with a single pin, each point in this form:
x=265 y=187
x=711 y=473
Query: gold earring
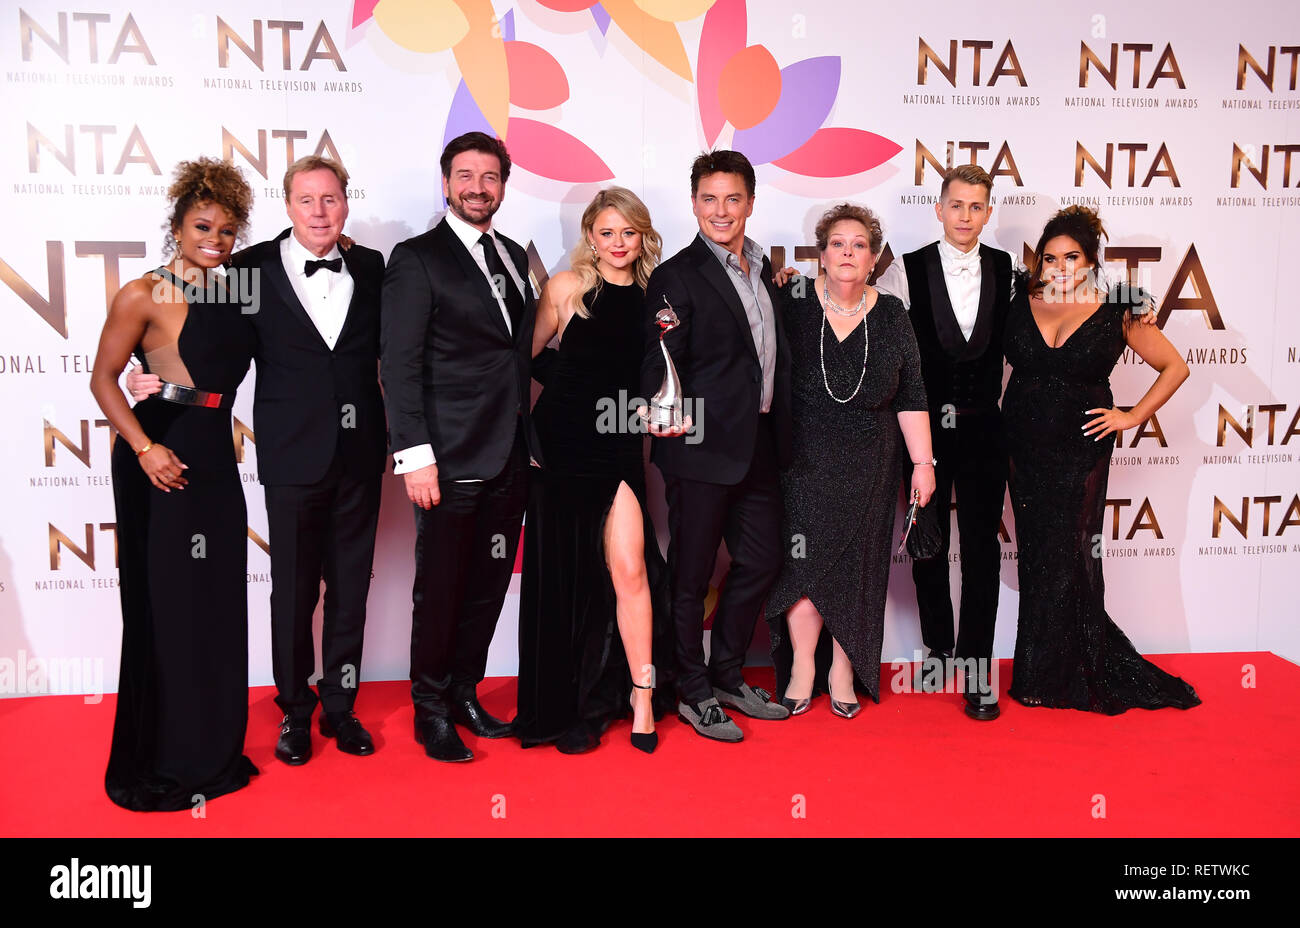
x=592 y=247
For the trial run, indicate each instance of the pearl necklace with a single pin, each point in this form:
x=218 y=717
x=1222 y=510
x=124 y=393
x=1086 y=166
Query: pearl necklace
x=837 y=308
x=821 y=344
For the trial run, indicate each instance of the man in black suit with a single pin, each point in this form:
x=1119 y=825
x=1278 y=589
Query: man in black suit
x=958 y=293
x=319 y=421
x=457 y=352
x=722 y=480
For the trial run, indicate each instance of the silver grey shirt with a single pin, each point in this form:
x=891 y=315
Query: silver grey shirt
x=758 y=308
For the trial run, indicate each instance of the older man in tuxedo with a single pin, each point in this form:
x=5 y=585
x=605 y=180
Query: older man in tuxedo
x=319 y=420
x=457 y=353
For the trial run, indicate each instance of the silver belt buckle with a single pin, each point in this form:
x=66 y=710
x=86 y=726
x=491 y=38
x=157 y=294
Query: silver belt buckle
x=189 y=396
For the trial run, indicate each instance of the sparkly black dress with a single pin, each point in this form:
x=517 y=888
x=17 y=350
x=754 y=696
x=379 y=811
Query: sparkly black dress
x=1069 y=654
x=841 y=489
x=572 y=667
x=182 y=700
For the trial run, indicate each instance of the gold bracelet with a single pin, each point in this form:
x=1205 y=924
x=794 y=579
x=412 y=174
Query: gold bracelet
x=147 y=446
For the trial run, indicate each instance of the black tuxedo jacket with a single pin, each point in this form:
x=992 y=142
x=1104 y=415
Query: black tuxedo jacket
x=957 y=372
x=454 y=376
x=713 y=351
x=311 y=402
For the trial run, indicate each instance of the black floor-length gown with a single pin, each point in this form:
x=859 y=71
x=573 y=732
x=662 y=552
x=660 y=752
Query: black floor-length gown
x=1069 y=654
x=572 y=666
x=182 y=702
x=841 y=489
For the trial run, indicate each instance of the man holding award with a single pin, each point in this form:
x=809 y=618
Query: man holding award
x=732 y=369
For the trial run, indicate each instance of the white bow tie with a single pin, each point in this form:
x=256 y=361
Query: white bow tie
x=968 y=263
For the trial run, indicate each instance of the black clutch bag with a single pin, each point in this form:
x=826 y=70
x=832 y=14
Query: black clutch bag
x=921 y=531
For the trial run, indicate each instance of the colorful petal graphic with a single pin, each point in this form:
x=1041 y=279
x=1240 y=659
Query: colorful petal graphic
x=567 y=6
x=808 y=90
x=537 y=81
x=421 y=25
x=601 y=17
x=655 y=37
x=722 y=37
x=481 y=56
x=550 y=152
x=675 y=11
x=839 y=152
x=464 y=116
x=749 y=87
x=362 y=10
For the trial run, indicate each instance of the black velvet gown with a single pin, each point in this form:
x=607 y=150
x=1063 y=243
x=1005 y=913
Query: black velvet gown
x=182 y=701
x=841 y=489
x=1069 y=654
x=572 y=667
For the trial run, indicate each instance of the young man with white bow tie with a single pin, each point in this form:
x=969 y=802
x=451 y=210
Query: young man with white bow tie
x=958 y=293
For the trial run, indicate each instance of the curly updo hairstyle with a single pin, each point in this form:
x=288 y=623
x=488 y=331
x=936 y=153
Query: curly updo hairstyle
x=206 y=180
x=1076 y=222
x=849 y=212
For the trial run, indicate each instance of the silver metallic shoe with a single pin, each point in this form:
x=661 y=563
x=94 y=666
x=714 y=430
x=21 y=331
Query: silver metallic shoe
x=755 y=703
x=845 y=710
x=710 y=721
x=797 y=706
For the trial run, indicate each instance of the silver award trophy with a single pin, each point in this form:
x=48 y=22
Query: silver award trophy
x=666 y=405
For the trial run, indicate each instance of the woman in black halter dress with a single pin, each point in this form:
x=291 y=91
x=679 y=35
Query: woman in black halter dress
x=1062 y=340
x=593 y=635
x=182 y=703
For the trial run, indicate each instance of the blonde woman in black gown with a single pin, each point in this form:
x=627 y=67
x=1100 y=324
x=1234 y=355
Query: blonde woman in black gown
x=1063 y=337
x=182 y=702
x=592 y=625
x=859 y=409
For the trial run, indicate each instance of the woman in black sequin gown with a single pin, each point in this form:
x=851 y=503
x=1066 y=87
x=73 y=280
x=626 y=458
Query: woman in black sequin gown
x=1062 y=340
x=852 y=417
x=593 y=630
x=182 y=529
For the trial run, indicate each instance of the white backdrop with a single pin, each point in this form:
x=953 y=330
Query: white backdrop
x=1200 y=117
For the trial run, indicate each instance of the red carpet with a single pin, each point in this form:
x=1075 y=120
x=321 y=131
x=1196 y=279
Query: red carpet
x=912 y=765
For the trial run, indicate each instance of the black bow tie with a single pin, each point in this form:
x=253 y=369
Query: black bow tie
x=333 y=264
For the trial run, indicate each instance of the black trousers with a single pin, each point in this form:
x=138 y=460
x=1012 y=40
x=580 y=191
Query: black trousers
x=700 y=515
x=323 y=530
x=464 y=556
x=972 y=457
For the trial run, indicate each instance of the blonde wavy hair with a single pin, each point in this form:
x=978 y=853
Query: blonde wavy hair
x=583 y=260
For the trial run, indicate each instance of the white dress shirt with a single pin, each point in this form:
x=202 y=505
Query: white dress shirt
x=326 y=295
x=961 y=275
x=409 y=459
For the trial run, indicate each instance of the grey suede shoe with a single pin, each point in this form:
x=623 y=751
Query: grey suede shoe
x=757 y=704
x=710 y=721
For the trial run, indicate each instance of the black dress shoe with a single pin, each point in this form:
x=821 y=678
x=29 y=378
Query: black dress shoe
x=294 y=745
x=352 y=737
x=980 y=702
x=473 y=716
x=438 y=735
x=980 y=710
x=933 y=673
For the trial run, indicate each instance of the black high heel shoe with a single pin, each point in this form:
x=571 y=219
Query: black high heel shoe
x=643 y=741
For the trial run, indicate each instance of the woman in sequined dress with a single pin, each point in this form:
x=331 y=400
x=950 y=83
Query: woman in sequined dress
x=1063 y=337
x=858 y=398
